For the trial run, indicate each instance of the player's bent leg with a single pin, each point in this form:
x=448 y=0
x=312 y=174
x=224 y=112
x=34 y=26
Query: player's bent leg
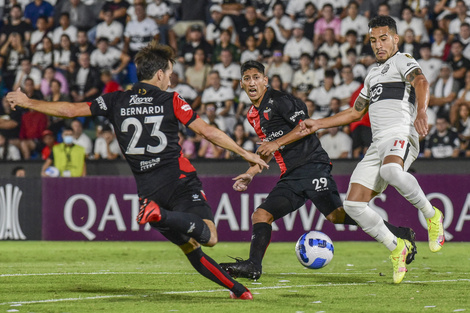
x=208 y=268
x=213 y=238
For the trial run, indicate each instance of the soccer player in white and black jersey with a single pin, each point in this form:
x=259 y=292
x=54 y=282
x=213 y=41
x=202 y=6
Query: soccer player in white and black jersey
x=396 y=95
x=305 y=169
x=146 y=120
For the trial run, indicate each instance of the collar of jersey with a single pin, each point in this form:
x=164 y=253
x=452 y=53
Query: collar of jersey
x=379 y=64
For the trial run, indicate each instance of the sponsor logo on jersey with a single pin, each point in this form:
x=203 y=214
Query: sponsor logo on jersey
x=196 y=197
x=267 y=114
x=274 y=135
x=186 y=107
x=101 y=103
x=386 y=68
x=408 y=56
x=145 y=165
x=391 y=91
x=135 y=99
x=270 y=101
x=412 y=63
x=296 y=114
x=375 y=92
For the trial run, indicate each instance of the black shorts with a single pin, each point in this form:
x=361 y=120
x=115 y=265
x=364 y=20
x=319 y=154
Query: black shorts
x=184 y=195
x=311 y=181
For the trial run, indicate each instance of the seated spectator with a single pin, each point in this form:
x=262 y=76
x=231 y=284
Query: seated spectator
x=240 y=137
x=110 y=85
x=229 y=71
x=430 y=66
x=82 y=45
x=443 y=143
x=87 y=83
x=80 y=138
x=56 y=123
x=268 y=44
x=196 y=75
x=322 y=95
x=280 y=23
x=64 y=28
x=345 y=90
x=39 y=8
x=408 y=21
x=110 y=29
x=188 y=148
x=49 y=74
x=11 y=53
x=81 y=15
x=409 y=45
x=349 y=43
x=331 y=47
x=139 y=33
x=44 y=57
x=464 y=37
x=64 y=56
x=66 y=157
x=458 y=62
x=304 y=77
x=109 y=58
x=210 y=116
x=8 y=152
x=47 y=143
x=106 y=146
x=219 y=22
x=251 y=52
x=337 y=144
x=225 y=44
x=41 y=31
x=10 y=123
x=184 y=90
x=440 y=48
x=16 y=24
x=296 y=46
x=161 y=13
x=27 y=71
x=461 y=17
x=444 y=92
x=119 y=9
x=276 y=65
x=358 y=69
x=328 y=20
x=223 y=97
x=195 y=40
x=460 y=121
x=310 y=17
x=276 y=82
x=250 y=25
x=190 y=13
x=355 y=22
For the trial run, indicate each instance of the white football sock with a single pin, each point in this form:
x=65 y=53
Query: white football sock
x=407 y=186
x=370 y=222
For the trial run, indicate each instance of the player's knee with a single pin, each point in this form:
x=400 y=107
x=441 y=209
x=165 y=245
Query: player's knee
x=261 y=216
x=337 y=216
x=214 y=238
x=354 y=208
x=390 y=172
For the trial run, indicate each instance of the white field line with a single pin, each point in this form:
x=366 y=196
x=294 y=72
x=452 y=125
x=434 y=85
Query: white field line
x=225 y=290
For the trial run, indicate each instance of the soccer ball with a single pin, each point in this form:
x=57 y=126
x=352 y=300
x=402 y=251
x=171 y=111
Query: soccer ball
x=314 y=250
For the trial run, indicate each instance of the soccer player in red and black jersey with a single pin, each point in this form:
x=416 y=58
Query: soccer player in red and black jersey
x=305 y=169
x=146 y=120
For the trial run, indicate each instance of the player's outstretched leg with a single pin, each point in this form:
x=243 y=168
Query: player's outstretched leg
x=207 y=267
x=252 y=268
x=408 y=187
x=398 y=258
x=186 y=223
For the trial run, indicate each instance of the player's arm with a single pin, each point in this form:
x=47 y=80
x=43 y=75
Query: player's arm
x=221 y=139
x=421 y=86
x=59 y=108
x=243 y=180
x=310 y=126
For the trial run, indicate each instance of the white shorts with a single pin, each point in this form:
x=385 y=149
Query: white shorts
x=367 y=172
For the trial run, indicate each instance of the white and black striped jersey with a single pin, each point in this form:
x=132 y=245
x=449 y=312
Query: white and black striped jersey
x=391 y=97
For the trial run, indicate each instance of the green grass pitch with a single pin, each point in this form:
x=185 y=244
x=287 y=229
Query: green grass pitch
x=156 y=277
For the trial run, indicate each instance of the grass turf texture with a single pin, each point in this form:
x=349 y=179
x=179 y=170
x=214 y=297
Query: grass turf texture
x=156 y=277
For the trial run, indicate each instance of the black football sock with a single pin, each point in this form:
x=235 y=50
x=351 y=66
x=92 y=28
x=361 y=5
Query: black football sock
x=186 y=223
x=208 y=268
x=260 y=240
x=400 y=232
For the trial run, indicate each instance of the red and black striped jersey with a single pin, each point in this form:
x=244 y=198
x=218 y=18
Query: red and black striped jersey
x=146 y=122
x=277 y=115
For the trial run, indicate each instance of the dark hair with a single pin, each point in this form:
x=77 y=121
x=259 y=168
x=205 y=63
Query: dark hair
x=351 y=50
x=248 y=65
x=351 y=32
x=152 y=58
x=330 y=73
x=65 y=14
x=16 y=169
x=67 y=128
x=55 y=81
x=381 y=20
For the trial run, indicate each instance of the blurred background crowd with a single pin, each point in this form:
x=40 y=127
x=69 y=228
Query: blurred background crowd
x=76 y=50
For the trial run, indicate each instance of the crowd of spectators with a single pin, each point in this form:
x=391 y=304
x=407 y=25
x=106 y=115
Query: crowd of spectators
x=75 y=50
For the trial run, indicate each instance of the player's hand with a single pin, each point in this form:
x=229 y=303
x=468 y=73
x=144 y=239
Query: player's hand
x=16 y=97
x=308 y=127
x=267 y=148
x=254 y=159
x=242 y=181
x=421 y=123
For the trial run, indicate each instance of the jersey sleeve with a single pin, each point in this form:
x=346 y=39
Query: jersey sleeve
x=405 y=64
x=293 y=110
x=183 y=111
x=365 y=90
x=102 y=105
